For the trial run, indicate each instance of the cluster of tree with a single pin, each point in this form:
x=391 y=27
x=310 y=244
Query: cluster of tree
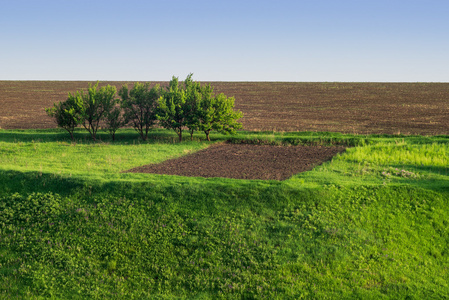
x=180 y=106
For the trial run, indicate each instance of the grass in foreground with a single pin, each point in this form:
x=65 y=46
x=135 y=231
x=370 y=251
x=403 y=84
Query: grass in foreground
x=354 y=227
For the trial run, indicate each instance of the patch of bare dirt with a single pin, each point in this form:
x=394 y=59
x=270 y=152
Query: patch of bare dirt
x=242 y=161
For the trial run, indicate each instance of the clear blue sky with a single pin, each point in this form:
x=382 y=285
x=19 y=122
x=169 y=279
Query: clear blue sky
x=279 y=40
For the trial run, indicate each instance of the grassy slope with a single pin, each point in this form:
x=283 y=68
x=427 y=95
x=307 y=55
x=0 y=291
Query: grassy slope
x=371 y=223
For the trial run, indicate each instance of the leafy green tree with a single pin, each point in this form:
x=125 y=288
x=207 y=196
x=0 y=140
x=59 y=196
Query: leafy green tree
x=197 y=108
x=139 y=105
x=114 y=120
x=171 y=112
x=66 y=114
x=192 y=105
x=93 y=106
x=217 y=113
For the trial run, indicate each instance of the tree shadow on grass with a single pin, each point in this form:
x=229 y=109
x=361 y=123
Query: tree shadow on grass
x=81 y=136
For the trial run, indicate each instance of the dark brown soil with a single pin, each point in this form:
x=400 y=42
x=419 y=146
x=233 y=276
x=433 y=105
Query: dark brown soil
x=242 y=161
x=364 y=108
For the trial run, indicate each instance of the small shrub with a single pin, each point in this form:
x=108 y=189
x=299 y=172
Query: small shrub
x=66 y=115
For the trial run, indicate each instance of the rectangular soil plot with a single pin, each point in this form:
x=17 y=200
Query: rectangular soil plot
x=242 y=161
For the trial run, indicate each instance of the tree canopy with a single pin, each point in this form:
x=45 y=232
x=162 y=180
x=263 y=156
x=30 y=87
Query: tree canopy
x=172 y=113
x=93 y=105
x=187 y=105
x=140 y=106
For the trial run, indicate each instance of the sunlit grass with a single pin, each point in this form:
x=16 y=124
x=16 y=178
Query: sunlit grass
x=93 y=159
x=371 y=223
x=402 y=153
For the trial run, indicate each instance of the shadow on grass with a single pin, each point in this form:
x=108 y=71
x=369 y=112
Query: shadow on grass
x=28 y=182
x=125 y=136
x=158 y=135
x=186 y=193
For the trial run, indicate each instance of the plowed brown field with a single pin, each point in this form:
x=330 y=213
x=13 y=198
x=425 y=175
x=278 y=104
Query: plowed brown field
x=392 y=108
x=245 y=161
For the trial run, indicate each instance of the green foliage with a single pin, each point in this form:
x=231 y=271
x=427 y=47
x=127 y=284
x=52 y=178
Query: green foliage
x=192 y=109
x=94 y=105
x=66 y=114
x=197 y=108
x=88 y=109
x=172 y=113
x=217 y=113
x=114 y=120
x=190 y=105
x=139 y=105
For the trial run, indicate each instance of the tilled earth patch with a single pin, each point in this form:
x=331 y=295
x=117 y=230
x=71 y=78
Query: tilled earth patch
x=242 y=161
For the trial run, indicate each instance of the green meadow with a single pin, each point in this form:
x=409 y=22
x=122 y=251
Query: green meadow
x=372 y=223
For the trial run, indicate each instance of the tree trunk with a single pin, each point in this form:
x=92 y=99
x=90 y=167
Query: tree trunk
x=92 y=131
x=146 y=132
x=89 y=128
x=142 y=135
x=179 y=135
x=207 y=135
x=191 y=135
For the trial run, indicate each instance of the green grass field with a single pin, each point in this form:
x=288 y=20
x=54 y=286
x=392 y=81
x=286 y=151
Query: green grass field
x=371 y=223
